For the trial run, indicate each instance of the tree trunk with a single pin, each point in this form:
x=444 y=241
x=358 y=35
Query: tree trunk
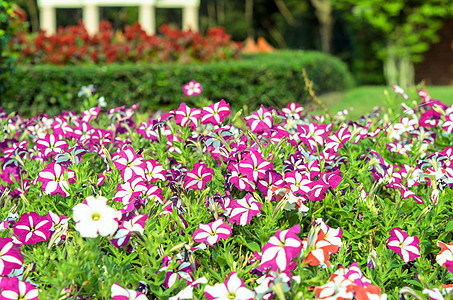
x=398 y=67
x=407 y=72
x=323 y=11
x=249 y=17
x=34 y=20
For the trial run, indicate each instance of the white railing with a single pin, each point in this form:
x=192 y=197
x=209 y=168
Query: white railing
x=91 y=12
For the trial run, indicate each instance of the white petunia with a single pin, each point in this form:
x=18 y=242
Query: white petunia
x=94 y=217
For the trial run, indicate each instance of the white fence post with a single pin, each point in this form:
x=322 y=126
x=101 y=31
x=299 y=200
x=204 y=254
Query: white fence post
x=146 y=18
x=48 y=19
x=91 y=18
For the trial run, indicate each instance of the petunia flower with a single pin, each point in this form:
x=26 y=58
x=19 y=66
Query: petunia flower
x=317 y=249
x=51 y=145
x=216 y=113
x=120 y=293
x=94 y=217
x=122 y=236
x=197 y=178
x=185 y=115
x=233 y=288
x=445 y=255
x=187 y=292
x=10 y=256
x=403 y=244
x=260 y=121
x=293 y=110
x=281 y=249
x=244 y=209
x=192 y=88
x=129 y=163
x=400 y=91
x=32 y=228
x=154 y=171
x=268 y=283
x=128 y=191
x=54 y=181
x=239 y=180
x=212 y=232
x=254 y=166
x=14 y=289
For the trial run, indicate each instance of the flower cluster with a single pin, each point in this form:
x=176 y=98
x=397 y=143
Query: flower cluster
x=194 y=203
x=73 y=44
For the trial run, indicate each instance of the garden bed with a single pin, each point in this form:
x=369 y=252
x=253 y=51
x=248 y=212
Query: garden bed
x=200 y=202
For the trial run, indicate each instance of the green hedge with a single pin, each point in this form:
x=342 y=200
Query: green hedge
x=269 y=79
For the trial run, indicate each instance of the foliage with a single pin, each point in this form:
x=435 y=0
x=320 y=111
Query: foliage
x=332 y=208
x=407 y=29
x=6 y=34
x=73 y=45
x=272 y=79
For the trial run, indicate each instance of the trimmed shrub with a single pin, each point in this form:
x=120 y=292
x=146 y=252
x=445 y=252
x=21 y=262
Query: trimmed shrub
x=269 y=79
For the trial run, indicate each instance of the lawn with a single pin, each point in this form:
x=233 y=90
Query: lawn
x=363 y=99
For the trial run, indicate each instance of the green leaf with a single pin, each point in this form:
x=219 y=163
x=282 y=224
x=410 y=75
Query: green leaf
x=449 y=226
x=254 y=246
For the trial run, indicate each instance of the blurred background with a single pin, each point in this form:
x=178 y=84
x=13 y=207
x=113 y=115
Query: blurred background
x=374 y=38
x=403 y=42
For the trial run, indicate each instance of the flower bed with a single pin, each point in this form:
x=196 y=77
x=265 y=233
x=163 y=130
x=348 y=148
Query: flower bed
x=199 y=202
x=73 y=45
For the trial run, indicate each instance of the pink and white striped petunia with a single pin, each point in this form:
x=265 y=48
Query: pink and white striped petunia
x=281 y=249
x=154 y=171
x=130 y=163
x=32 y=228
x=293 y=110
x=14 y=289
x=198 y=177
x=10 y=256
x=120 y=293
x=54 y=181
x=254 y=166
x=244 y=209
x=403 y=244
x=215 y=113
x=128 y=191
x=232 y=288
x=192 y=88
x=260 y=121
x=51 y=144
x=212 y=232
x=122 y=236
x=448 y=124
x=337 y=141
x=185 y=115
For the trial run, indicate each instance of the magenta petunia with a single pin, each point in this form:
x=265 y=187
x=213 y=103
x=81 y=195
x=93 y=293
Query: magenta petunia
x=13 y=288
x=10 y=256
x=192 y=88
x=32 y=228
x=403 y=244
x=197 y=178
x=281 y=249
x=212 y=232
x=54 y=180
x=244 y=209
x=215 y=113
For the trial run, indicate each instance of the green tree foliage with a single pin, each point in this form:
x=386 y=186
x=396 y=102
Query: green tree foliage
x=6 y=33
x=407 y=28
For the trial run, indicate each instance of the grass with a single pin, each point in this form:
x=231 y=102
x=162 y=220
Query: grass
x=363 y=99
